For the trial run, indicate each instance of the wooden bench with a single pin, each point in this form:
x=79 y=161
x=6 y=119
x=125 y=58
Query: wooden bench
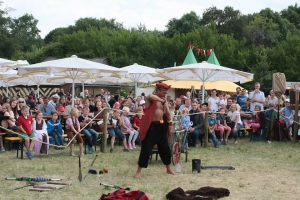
x=19 y=141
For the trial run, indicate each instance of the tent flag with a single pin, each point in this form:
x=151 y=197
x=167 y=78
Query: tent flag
x=190 y=58
x=213 y=59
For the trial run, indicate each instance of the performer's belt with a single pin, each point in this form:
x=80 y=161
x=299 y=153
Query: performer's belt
x=157 y=122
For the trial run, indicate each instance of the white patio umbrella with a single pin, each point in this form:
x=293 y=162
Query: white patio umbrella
x=7 y=75
x=71 y=67
x=141 y=74
x=63 y=79
x=205 y=72
x=12 y=64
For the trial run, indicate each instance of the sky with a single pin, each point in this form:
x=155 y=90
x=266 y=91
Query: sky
x=154 y=14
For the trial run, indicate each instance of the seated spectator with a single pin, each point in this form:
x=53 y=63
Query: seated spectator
x=86 y=103
x=11 y=122
x=21 y=102
x=288 y=117
x=55 y=101
x=127 y=128
x=73 y=129
x=142 y=104
x=223 y=101
x=131 y=104
x=245 y=111
x=137 y=119
x=234 y=101
x=54 y=129
x=212 y=122
x=90 y=134
x=253 y=123
x=197 y=128
x=39 y=129
x=61 y=93
x=113 y=125
x=25 y=128
x=177 y=103
x=98 y=116
x=229 y=103
x=268 y=114
x=185 y=119
x=45 y=107
x=30 y=102
x=235 y=121
x=222 y=126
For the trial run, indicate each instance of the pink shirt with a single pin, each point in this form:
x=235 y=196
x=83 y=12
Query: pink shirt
x=126 y=123
x=69 y=122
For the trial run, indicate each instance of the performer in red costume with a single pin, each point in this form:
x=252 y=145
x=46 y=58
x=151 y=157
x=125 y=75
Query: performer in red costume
x=154 y=129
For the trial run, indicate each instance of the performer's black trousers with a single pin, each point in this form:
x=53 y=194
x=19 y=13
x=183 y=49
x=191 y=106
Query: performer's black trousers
x=157 y=134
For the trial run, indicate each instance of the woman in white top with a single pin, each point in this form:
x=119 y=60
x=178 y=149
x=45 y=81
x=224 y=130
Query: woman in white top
x=213 y=101
x=272 y=99
x=39 y=129
x=236 y=121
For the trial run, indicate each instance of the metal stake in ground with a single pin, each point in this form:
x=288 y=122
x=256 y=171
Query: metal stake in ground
x=90 y=167
x=114 y=186
x=80 y=172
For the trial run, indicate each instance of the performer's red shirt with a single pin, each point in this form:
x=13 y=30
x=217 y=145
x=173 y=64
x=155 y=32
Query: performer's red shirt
x=25 y=123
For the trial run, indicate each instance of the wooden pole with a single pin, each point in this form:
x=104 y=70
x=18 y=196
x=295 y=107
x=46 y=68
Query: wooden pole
x=271 y=125
x=206 y=129
x=104 y=135
x=296 y=116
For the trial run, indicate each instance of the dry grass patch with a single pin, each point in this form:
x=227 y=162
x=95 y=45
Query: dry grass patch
x=263 y=171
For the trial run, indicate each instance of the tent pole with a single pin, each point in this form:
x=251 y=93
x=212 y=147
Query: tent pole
x=73 y=93
x=38 y=89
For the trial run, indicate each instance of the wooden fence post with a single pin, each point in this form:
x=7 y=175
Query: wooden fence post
x=296 y=116
x=206 y=129
x=104 y=135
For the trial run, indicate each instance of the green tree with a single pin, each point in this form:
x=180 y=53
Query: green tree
x=292 y=13
x=187 y=23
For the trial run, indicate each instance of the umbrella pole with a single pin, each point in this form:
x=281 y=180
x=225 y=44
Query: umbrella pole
x=73 y=93
x=83 y=87
x=6 y=90
x=38 y=89
x=135 y=87
x=203 y=89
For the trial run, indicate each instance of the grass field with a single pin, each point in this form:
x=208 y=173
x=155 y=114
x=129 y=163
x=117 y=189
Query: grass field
x=262 y=171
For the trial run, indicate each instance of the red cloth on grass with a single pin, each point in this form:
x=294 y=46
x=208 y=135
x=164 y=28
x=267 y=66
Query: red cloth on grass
x=122 y=195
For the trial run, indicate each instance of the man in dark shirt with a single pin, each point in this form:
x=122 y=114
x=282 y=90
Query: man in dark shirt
x=197 y=128
x=30 y=102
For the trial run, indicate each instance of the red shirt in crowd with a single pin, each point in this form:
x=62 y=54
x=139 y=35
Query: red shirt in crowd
x=25 y=123
x=137 y=121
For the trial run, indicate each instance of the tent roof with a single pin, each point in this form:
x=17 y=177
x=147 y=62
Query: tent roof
x=213 y=59
x=190 y=58
x=226 y=86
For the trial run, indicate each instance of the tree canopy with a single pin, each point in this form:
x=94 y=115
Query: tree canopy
x=261 y=43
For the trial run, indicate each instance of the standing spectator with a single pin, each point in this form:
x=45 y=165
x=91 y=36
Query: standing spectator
x=187 y=104
x=18 y=93
x=200 y=95
x=45 y=107
x=213 y=101
x=257 y=97
x=241 y=99
x=238 y=92
x=131 y=94
x=272 y=99
x=61 y=93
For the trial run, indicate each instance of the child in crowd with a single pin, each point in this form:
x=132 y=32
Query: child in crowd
x=185 y=119
x=127 y=128
x=223 y=101
x=222 y=126
x=54 y=128
x=90 y=134
x=235 y=121
x=212 y=122
x=254 y=123
x=39 y=128
x=113 y=124
x=73 y=129
x=137 y=119
x=9 y=123
x=25 y=128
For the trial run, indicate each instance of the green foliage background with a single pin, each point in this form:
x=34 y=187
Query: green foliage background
x=261 y=43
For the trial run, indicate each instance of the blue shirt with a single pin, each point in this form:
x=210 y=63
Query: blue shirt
x=47 y=111
x=221 y=118
x=287 y=112
x=212 y=122
x=241 y=100
x=185 y=121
